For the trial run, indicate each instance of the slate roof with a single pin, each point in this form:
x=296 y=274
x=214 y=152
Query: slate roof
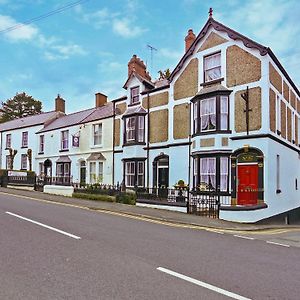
x=29 y=121
x=84 y=116
x=142 y=79
x=134 y=111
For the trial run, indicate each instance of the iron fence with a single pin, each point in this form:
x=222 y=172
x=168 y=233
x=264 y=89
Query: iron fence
x=50 y=180
x=163 y=195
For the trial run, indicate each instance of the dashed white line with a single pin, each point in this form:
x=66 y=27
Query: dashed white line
x=45 y=226
x=278 y=244
x=203 y=284
x=244 y=237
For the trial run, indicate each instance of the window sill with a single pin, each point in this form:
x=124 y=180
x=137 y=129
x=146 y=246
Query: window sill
x=40 y=153
x=216 y=81
x=134 y=144
x=212 y=132
x=63 y=150
x=23 y=147
x=96 y=146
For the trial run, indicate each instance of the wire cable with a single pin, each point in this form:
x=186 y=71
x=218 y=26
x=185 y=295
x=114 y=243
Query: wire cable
x=43 y=16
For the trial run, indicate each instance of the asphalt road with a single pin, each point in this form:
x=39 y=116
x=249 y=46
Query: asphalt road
x=113 y=257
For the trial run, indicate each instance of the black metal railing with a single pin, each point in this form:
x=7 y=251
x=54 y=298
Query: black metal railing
x=164 y=195
x=97 y=188
x=21 y=180
x=56 y=180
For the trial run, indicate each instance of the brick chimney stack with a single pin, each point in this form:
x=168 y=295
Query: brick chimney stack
x=59 y=104
x=137 y=65
x=101 y=99
x=189 y=39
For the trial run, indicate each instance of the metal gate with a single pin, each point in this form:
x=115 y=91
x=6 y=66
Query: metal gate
x=207 y=205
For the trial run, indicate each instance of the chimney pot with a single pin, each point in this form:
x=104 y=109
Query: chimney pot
x=101 y=99
x=137 y=65
x=59 y=104
x=189 y=39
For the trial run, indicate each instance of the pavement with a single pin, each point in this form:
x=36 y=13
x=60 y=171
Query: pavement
x=152 y=214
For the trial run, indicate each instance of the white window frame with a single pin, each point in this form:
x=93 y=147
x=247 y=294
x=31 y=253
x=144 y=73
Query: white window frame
x=24 y=161
x=41 y=168
x=135 y=95
x=141 y=129
x=100 y=171
x=65 y=140
x=129 y=173
x=24 y=139
x=208 y=69
x=8 y=141
x=97 y=134
x=208 y=114
x=140 y=175
x=42 y=144
x=130 y=130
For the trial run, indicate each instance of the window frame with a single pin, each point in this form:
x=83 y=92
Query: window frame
x=24 y=162
x=205 y=57
x=218 y=96
x=62 y=140
x=133 y=96
x=41 y=144
x=99 y=135
x=197 y=176
x=135 y=174
x=138 y=138
x=8 y=141
x=24 y=139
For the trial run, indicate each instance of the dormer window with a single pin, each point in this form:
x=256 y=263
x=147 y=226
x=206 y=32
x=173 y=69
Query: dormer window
x=135 y=95
x=212 y=67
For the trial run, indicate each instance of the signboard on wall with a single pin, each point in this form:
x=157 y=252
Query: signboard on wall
x=16 y=173
x=75 y=141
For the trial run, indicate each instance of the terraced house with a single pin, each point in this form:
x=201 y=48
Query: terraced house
x=227 y=119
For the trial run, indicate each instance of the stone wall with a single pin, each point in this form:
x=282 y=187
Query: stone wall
x=275 y=78
x=272 y=104
x=181 y=121
x=159 y=124
x=207 y=142
x=156 y=100
x=254 y=114
x=212 y=40
x=187 y=83
x=121 y=108
x=242 y=67
x=117 y=132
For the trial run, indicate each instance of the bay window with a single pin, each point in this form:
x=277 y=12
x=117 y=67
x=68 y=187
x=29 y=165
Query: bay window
x=134 y=173
x=134 y=130
x=211 y=114
x=211 y=173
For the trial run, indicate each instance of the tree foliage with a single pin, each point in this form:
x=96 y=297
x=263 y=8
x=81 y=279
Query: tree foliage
x=21 y=105
x=164 y=74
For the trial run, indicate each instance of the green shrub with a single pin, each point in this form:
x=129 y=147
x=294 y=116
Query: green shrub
x=95 y=197
x=126 y=198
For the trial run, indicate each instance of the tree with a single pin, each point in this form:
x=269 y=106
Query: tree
x=21 y=105
x=164 y=74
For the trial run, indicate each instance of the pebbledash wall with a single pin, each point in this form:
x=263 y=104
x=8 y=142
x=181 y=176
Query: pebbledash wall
x=274 y=120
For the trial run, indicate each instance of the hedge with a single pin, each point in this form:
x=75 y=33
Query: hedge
x=95 y=197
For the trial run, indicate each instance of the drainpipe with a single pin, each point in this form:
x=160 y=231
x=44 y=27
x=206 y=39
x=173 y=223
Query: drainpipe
x=148 y=137
x=113 y=160
x=189 y=168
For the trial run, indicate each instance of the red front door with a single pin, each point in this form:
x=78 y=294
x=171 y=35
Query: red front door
x=247 y=188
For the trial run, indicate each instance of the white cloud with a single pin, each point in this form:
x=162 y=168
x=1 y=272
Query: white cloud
x=126 y=29
x=20 y=33
x=57 y=52
x=170 y=53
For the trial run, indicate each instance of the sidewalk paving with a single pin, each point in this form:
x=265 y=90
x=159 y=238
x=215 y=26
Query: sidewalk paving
x=150 y=213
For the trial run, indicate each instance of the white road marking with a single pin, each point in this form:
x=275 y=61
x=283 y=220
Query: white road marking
x=244 y=237
x=278 y=244
x=203 y=284
x=45 y=226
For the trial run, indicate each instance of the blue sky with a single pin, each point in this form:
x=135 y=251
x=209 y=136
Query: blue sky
x=86 y=49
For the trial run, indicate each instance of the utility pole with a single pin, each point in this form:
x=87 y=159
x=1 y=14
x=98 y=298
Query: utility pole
x=245 y=96
x=151 y=48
